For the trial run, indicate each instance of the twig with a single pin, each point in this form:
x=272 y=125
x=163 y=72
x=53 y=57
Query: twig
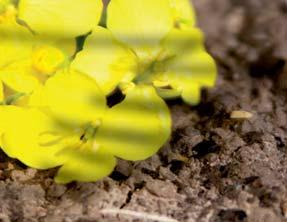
x=139 y=215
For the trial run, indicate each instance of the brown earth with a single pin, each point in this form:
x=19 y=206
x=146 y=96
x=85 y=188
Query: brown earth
x=215 y=168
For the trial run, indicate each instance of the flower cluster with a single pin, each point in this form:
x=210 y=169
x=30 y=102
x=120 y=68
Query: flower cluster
x=54 y=88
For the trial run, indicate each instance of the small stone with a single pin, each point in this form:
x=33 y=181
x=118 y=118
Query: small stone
x=162 y=188
x=240 y=114
x=20 y=175
x=56 y=190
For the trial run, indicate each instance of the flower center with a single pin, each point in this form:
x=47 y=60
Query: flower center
x=89 y=133
x=46 y=59
x=148 y=73
x=82 y=138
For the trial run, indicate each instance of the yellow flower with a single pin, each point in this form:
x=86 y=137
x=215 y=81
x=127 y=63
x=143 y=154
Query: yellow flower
x=24 y=76
x=73 y=128
x=149 y=48
x=60 y=18
x=154 y=43
x=44 y=42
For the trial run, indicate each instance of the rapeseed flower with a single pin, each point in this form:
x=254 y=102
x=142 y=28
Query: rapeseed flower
x=155 y=43
x=39 y=38
x=54 y=109
x=75 y=129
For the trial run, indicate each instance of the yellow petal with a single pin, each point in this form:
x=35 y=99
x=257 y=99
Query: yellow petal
x=3 y=5
x=84 y=165
x=191 y=93
x=137 y=127
x=183 y=13
x=140 y=24
x=16 y=41
x=105 y=60
x=20 y=138
x=182 y=41
x=74 y=97
x=67 y=46
x=168 y=93
x=61 y=18
x=191 y=67
x=37 y=98
x=4 y=122
x=1 y=92
x=19 y=77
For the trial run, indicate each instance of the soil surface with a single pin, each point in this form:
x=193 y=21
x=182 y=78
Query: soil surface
x=215 y=168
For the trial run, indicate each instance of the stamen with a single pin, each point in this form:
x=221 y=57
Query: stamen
x=47 y=59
